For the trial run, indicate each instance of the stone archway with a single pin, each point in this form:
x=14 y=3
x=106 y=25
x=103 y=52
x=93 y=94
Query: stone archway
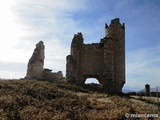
x=96 y=77
x=91 y=80
x=93 y=83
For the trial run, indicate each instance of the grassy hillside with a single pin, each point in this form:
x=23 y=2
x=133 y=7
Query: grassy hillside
x=35 y=100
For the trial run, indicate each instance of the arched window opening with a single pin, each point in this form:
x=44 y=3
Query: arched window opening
x=91 y=81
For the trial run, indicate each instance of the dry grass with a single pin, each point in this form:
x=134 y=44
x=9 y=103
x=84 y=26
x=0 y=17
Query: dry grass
x=42 y=100
x=149 y=99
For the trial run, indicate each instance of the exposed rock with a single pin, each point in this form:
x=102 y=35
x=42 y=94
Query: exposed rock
x=36 y=62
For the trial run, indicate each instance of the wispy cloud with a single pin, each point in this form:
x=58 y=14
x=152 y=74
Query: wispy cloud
x=47 y=20
x=56 y=53
x=143 y=66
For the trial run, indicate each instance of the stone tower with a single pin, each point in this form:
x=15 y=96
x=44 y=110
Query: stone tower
x=147 y=87
x=36 y=62
x=104 y=61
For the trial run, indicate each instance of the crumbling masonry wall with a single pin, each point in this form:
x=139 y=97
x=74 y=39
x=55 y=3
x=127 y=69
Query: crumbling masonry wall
x=35 y=68
x=104 y=61
x=36 y=62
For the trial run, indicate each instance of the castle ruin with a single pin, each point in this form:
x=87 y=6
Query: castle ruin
x=104 y=61
x=35 y=67
x=36 y=62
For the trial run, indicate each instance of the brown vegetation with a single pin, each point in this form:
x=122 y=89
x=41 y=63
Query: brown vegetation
x=31 y=100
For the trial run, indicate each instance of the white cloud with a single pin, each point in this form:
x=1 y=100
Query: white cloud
x=25 y=23
x=10 y=31
x=142 y=67
x=55 y=55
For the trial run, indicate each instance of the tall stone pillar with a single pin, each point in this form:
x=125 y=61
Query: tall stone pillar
x=147 y=87
x=36 y=62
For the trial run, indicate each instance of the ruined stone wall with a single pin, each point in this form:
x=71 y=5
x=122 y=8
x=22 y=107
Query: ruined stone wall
x=71 y=69
x=104 y=60
x=108 y=65
x=57 y=76
x=116 y=31
x=53 y=76
x=91 y=60
x=36 y=62
x=35 y=68
x=73 y=66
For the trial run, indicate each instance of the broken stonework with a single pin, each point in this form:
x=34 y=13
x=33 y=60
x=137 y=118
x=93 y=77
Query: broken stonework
x=104 y=61
x=53 y=76
x=35 y=67
x=36 y=62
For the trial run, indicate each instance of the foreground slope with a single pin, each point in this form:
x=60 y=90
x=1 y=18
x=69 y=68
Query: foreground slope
x=29 y=99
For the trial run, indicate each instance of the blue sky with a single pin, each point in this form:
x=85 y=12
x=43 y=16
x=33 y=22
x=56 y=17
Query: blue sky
x=25 y=23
